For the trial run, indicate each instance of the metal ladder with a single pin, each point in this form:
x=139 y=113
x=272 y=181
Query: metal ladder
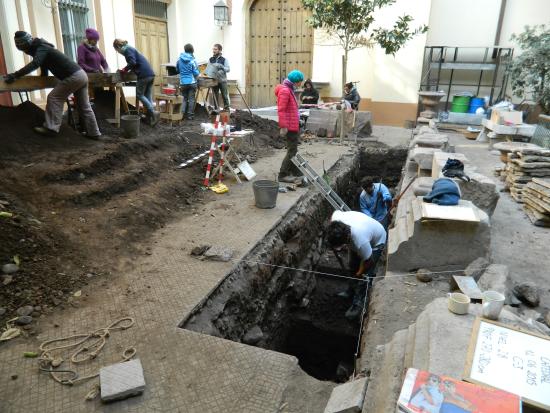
x=328 y=193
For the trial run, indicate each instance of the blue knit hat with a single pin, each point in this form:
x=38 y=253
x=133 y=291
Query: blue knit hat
x=295 y=76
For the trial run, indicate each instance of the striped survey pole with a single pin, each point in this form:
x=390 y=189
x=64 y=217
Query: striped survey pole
x=211 y=154
x=222 y=156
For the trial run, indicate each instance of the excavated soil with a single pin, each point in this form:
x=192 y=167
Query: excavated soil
x=84 y=208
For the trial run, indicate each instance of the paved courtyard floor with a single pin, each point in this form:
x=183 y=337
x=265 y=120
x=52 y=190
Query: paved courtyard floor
x=184 y=371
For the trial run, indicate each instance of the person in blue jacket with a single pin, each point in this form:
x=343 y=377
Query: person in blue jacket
x=188 y=71
x=138 y=64
x=375 y=201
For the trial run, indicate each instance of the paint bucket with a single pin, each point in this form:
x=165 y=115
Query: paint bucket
x=475 y=104
x=130 y=125
x=265 y=193
x=460 y=104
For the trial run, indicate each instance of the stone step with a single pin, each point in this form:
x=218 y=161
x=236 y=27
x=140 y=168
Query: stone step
x=387 y=375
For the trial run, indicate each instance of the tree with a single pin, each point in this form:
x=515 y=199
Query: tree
x=350 y=21
x=530 y=71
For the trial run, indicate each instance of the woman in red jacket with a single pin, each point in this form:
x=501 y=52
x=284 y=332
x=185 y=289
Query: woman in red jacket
x=289 y=123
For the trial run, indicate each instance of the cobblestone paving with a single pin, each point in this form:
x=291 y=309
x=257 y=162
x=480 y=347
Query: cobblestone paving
x=184 y=371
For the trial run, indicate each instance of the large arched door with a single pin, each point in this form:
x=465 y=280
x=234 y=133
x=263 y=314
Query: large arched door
x=279 y=40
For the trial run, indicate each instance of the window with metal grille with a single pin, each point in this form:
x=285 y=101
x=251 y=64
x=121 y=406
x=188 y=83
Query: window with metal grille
x=151 y=8
x=74 y=21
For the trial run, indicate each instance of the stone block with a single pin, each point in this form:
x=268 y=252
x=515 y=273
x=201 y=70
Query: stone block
x=481 y=190
x=121 y=380
x=440 y=159
x=433 y=140
x=423 y=156
x=422 y=186
x=494 y=278
x=347 y=397
x=436 y=243
x=476 y=268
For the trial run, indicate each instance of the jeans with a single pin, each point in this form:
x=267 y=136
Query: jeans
x=144 y=92
x=359 y=288
x=188 y=93
x=222 y=87
x=77 y=84
x=287 y=167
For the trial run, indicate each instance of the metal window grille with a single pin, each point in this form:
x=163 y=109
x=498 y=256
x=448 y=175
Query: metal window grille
x=74 y=21
x=542 y=132
x=151 y=8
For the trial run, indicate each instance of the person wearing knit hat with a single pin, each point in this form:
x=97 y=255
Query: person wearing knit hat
x=289 y=124
x=89 y=57
x=72 y=80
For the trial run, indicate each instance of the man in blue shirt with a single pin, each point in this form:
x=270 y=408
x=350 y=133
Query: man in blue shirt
x=375 y=201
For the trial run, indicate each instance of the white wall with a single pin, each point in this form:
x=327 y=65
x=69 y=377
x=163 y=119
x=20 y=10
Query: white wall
x=520 y=13
x=117 y=22
x=464 y=23
x=201 y=31
x=381 y=77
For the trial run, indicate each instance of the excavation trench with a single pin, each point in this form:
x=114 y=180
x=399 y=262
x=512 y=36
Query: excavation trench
x=264 y=301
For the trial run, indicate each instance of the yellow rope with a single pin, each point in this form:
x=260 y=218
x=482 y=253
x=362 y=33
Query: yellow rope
x=94 y=341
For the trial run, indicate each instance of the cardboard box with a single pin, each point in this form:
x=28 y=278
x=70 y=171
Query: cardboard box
x=503 y=117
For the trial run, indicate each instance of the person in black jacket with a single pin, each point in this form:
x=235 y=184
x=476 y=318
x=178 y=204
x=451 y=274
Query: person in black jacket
x=72 y=79
x=310 y=95
x=351 y=95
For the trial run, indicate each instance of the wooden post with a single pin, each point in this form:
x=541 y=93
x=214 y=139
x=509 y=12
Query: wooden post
x=57 y=25
x=118 y=87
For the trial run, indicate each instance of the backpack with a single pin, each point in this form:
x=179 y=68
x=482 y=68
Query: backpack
x=454 y=168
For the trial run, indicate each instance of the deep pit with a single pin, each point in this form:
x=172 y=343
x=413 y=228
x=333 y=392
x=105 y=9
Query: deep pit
x=273 y=306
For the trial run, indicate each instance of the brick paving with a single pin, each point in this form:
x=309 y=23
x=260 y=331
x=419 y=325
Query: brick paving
x=184 y=371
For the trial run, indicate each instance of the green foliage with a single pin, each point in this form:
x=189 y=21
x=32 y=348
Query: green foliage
x=530 y=70
x=350 y=22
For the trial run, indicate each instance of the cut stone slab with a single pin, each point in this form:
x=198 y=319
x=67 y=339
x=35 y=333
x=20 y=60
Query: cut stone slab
x=476 y=268
x=121 y=380
x=433 y=140
x=423 y=156
x=481 y=190
x=438 y=243
x=494 y=278
x=439 y=160
x=347 y=397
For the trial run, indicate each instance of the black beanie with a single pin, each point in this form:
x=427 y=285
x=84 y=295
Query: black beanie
x=22 y=38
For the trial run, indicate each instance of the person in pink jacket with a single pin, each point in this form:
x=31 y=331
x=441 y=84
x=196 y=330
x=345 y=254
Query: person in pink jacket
x=289 y=124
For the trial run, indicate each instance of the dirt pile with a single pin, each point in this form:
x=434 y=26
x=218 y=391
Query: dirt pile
x=45 y=275
x=18 y=138
x=267 y=130
x=83 y=206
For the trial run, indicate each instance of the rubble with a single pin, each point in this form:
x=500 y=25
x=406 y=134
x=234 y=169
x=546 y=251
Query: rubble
x=528 y=293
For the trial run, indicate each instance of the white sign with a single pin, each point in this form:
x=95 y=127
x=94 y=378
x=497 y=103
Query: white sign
x=511 y=360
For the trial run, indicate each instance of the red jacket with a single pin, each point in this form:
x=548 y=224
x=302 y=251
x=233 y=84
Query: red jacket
x=287 y=107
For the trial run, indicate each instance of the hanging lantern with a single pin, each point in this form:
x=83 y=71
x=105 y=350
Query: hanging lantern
x=221 y=13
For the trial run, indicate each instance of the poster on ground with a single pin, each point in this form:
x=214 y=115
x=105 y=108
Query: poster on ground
x=424 y=392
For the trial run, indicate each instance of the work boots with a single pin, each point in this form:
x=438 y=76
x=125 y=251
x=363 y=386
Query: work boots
x=153 y=118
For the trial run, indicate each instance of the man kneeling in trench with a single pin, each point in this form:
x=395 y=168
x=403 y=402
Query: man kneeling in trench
x=366 y=239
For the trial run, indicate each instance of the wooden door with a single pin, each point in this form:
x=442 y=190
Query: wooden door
x=5 y=97
x=152 y=42
x=280 y=40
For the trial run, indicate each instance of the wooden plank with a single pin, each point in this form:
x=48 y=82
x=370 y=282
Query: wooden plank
x=534 y=218
x=28 y=84
x=543 y=182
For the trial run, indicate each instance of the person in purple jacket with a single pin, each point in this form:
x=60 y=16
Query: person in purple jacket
x=89 y=56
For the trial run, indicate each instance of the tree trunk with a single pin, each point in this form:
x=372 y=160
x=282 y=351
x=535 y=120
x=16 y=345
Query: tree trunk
x=344 y=68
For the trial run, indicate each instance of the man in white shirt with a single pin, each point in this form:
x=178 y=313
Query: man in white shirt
x=366 y=239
